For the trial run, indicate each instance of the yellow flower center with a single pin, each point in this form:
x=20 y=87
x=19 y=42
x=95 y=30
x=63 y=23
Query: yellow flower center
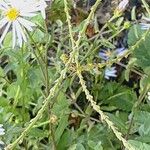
x=12 y=14
x=108 y=53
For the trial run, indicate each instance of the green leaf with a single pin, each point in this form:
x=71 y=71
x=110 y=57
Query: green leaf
x=38 y=36
x=118 y=122
x=139 y=145
x=141 y=52
x=77 y=147
x=63 y=123
x=144 y=139
x=61 y=109
x=8 y=40
x=13 y=91
x=66 y=140
x=117 y=95
x=99 y=133
x=1 y=72
x=145 y=80
x=4 y=102
x=141 y=116
x=129 y=66
x=95 y=146
x=143 y=120
x=38 y=133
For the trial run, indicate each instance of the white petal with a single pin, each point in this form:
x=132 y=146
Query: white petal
x=27 y=14
x=27 y=24
x=21 y=31
x=43 y=14
x=18 y=34
x=14 y=34
x=3 y=5
x=5 y=32
x=3 y=22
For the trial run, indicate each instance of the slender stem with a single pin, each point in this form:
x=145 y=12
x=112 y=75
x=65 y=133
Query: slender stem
x=106 y=24
x=132 y=69
x=47 y=85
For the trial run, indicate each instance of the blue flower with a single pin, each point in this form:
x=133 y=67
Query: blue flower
x=110 y=72
x=107 y=54
x=120 y=51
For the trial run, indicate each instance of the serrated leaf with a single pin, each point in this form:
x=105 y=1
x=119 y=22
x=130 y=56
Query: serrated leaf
x=142 y=118
x=139 y=145
x=117 y=95
x=118 y=122
x=142 y=51
x=95 y=146
x=38 y=133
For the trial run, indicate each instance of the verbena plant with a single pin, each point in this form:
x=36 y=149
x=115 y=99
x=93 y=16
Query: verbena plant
x=69 y=86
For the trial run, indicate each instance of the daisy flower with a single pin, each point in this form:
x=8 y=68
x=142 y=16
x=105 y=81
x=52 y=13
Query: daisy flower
x=15 y=16
x=110 y=72
x=107 y=54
